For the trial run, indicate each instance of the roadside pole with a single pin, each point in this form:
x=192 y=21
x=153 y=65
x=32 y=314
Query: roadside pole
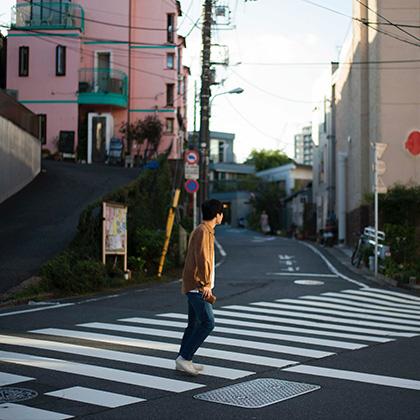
x=192 y=173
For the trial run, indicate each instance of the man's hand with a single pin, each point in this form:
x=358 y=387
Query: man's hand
x=206 y=292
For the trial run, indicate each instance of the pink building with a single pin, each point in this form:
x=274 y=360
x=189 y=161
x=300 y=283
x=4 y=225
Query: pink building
x=87 y=67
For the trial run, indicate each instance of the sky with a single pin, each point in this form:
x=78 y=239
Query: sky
x=272 y=45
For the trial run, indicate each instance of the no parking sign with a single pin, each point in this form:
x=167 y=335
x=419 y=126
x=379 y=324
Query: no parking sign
x=191 y=186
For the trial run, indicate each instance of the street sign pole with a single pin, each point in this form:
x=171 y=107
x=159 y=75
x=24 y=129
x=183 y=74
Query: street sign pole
x=375 y=178
x=194 y=210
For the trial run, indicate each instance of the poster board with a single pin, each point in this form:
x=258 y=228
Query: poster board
x=114 y=231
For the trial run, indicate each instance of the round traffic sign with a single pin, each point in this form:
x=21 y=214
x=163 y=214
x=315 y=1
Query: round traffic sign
x=191 y=186
x=191 y=156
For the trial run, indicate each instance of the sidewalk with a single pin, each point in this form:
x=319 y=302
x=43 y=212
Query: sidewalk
x=343 y=255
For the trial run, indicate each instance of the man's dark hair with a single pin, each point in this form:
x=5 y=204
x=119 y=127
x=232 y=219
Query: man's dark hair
x=211 y=208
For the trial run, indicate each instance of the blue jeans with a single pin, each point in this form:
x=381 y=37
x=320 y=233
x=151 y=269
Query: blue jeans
x=200 y=325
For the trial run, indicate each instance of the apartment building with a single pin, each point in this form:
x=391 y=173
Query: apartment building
x=88 y=67
x=304 y=146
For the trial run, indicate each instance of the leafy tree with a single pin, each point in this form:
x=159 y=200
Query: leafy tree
x=266 y=159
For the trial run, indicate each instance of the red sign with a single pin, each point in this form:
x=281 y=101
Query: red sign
x=413 y=143
x=191 y=186
x=191 y=156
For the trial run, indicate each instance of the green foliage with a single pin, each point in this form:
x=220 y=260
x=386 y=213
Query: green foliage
x=266 y=159
x=149 y=244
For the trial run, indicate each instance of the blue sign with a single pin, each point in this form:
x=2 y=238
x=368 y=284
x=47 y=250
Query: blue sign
x=191 y=186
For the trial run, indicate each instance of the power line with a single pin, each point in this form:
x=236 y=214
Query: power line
x=325 y=63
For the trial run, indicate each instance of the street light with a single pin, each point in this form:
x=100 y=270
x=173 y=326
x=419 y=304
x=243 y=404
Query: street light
x=237 y=90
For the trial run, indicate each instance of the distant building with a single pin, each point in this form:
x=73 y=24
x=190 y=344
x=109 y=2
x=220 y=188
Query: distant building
x=304 y=146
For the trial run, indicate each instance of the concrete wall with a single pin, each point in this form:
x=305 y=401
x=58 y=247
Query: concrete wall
x=20 y=158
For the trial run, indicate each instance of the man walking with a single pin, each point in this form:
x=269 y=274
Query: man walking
x=197 y=284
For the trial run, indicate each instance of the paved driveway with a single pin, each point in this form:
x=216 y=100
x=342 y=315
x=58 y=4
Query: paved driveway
x=40 y=220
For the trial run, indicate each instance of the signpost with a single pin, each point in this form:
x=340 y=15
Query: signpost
x=192 y=173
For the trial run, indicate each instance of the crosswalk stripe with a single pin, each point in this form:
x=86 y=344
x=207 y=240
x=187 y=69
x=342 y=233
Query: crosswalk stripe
x=261 y=334
x=10 y=411
x=338 y=298
x=296 y=351
x=287 y=328
x=323 y=318
x=303 y=308
x=389 y=292
x=401 y=302
x=384 y=305
x=356 y=376
x=295 y=321
x=120 y=356
x=116 y=375
x=94 y=396
x=10 y=379
x=347 y=308
x=156 y=345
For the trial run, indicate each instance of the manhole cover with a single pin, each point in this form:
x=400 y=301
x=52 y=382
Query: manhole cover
x=16 y=394
x=310 y=282
x=257 y=393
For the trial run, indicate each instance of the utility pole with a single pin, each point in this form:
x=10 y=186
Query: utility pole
x=205 y=98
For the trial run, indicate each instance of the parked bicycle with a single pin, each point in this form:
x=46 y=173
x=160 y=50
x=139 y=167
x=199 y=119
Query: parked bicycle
x=366 y=244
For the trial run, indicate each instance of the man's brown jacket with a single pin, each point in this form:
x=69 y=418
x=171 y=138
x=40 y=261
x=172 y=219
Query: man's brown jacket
x=199 y=262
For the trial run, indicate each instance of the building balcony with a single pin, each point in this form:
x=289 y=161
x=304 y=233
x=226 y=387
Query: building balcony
x=48 y=15
x=99 y=86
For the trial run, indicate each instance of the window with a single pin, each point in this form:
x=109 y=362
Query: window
x=169 y=125
x=23 y=61
x=42 y=124
x=60 y=60
x=170 y=60
x=170 y=28
x=170 y=94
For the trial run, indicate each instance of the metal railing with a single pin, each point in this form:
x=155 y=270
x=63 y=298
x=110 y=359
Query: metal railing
x=48 y=15
x=102 y=81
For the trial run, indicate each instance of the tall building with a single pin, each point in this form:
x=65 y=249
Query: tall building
x=304 y=146
x=88 y=67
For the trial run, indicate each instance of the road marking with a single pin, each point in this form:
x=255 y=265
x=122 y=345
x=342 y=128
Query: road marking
x=286 y=328
x=275 y=348
x=95 y=396
x=347 y=308
x=174 y=348
x=389 y=292
x=9 y=411
x=120 y=356
x=220 y=248
x=331 y=267
x=253 y=333
x=303 y=308
x=384 y=305
x=311 y=323
x=355 y=304
x=286 y=257
x=302 y=274
x=406 y=304
x=116 y=375
x=24 y=311
x=356 y=376
x=325 y=318
x=10 y=379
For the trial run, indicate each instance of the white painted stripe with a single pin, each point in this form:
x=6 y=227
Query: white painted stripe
x=94 y=396
x=25 y=311
x=347 y=308
x=331 y=267
x=320 y=325
x=302 y=274
x=10 y=379
x=405 y=302
x=119 y=356
x=384 y=304
x=389 y=292
x=253 y=333
x=133 y=342
x=220 y=248
x=323 y=318
x=353 y=303
x=287 y=328
x=303 y=308
x=9 y=411
x=258 y=345
x=116 y=375
x=356 y=376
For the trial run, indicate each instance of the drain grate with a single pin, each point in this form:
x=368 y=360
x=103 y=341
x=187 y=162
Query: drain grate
x=257 y=393
x=12 y=395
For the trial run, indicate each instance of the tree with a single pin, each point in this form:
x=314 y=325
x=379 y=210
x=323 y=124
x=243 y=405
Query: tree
x=266 y=159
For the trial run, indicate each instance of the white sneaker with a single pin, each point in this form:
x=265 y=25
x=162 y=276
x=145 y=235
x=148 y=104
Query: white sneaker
x=198 y=367
x=185 y=366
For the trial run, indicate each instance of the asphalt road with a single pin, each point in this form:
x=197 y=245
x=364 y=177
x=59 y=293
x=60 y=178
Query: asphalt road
x=40 y=220
x=358 y=342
